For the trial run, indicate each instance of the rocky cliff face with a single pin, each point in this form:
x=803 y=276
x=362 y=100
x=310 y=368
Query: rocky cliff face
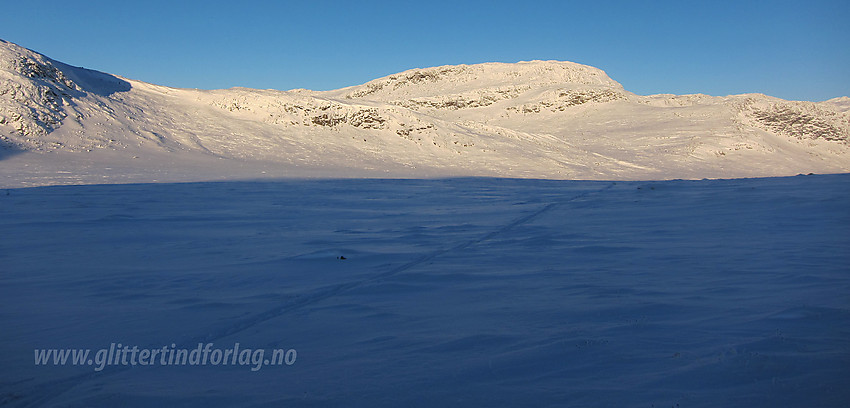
x=34 y=94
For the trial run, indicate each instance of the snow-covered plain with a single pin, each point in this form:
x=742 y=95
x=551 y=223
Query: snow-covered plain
x=453 y=292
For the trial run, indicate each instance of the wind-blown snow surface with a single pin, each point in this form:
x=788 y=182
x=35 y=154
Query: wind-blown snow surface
x=454 y=292
x=535 y=119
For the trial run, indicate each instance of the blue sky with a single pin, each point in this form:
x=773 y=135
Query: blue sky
x=790 y=49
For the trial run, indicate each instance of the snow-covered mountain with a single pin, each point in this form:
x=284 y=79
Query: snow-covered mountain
x=545 y=119
x=448 y=292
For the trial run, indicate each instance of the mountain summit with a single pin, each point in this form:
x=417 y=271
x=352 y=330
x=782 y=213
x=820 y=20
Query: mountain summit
x=542 y=119
x=457 y=79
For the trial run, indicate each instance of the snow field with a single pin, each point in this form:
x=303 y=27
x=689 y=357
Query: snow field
x=453 y=292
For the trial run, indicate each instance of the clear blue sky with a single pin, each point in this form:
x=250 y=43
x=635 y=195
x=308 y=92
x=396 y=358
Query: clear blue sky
x=790 y=49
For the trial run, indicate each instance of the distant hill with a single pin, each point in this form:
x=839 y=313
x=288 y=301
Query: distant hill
x=542 y=119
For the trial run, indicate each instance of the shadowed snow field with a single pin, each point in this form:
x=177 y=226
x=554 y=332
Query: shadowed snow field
x=466 y=292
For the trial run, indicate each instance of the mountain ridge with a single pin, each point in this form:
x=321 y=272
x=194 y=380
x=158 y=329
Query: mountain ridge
x=541 y=119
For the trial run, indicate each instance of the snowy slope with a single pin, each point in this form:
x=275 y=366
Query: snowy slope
x=541 y=119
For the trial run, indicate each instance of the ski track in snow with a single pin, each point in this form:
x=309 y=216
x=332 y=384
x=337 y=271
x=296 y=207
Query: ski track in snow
x=52 y=390
x=337 y=289
x=647 y=293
